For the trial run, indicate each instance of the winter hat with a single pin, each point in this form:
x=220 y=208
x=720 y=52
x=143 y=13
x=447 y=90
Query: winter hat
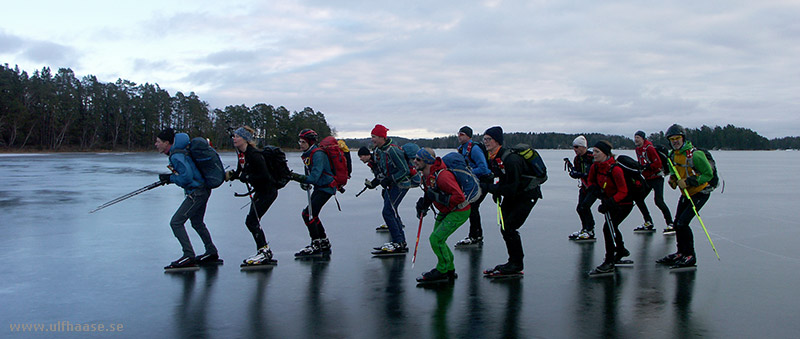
x=466 y=130
x=579 y=141
x=244 y=134
x=641 y=134
x=604 y=146
x=379 y=131
x=496 y=133
x=167 y=134
x=427 y=155
x=309 y=135
x=363 y=151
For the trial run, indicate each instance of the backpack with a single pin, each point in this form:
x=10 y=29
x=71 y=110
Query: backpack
x=346 y=151
x=480 y=146
x=634 y=180
x=276 y=165
x=410 y=151
x=468 y=182
x=337 y=160
x=535 y=168
x=663 y=151
x=207 y=161
x=714 y=182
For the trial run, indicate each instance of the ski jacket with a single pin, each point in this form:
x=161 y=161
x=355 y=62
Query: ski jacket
x=475 y=160
x=648 y=158
x=612 y=185
x=184 y=172
x=582 y=163
x=692 y=166
x=318 y=169
x=254 y=170
x=391 y=162
x=509 y=167
x=444 y=181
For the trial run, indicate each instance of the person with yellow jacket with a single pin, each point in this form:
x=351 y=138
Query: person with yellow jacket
x=694 y=171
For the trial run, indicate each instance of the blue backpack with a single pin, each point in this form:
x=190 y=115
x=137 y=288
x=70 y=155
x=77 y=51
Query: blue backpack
x=207 y=161
x=466 y=179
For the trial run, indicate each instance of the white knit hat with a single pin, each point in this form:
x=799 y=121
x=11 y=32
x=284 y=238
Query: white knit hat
x=579 y=141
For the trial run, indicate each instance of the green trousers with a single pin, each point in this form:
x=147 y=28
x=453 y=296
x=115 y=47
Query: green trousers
x=445 y=225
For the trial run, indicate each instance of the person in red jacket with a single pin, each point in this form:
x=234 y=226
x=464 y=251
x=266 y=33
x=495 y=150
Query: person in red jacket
x=651 y=163
x=610 y=181
x=443 y=191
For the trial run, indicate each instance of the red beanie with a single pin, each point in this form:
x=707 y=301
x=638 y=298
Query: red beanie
x=380 y=131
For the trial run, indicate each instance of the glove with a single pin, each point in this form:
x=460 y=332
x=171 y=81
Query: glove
x=608 y=205
x=682 y=184
x=575 y=174
x=305 y=187
x=437 y=196
x=692 y=181
x=386 y=182
x=497 y=198
x=164 y=178
x=297 y=177
x=422 y=207
x=673 y=182
x=372 y=184
x=230 y=175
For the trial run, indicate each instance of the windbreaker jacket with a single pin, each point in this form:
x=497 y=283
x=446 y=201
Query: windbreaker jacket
x=582 y=164
x=475 y=158
x=392 y=162
x=693 y=166
x=612 y=185
x=509 y=167
x=254 y=171
x=648 y=158
x=185 y=173
x=318 y=169
x=444 y=181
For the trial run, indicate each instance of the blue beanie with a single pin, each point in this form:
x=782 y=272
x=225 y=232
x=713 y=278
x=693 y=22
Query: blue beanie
x=427 y=155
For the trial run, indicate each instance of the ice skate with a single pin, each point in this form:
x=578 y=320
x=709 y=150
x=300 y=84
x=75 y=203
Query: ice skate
x=647 y=227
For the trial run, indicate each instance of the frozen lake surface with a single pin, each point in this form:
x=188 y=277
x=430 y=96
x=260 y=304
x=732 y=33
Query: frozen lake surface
x=63 y=267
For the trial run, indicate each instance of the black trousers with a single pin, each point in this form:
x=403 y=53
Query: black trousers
x=657 y=185
x=585 y=202
x=515 y=212
x=614 y=243
x=683 y=216
x=258 y=207
x=314 y=225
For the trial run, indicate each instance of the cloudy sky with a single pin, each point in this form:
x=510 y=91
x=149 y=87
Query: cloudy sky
x=425 y=68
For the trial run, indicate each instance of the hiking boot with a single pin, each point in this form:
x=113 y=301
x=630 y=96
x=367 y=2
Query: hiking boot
x=604 y=268
x=621 y=254
x=324 y=246
x=264 y=254
x=670 y=229
x=393 y=247
x=685 y=261
x=646 y=227
x=575 y=234
x=670 y=259
x=182 y=262
x=585 y=235
x=433 y=275
x=382 y=228
x=309 y=251
x=469 y=241
x=206 y=258
x=452 y=274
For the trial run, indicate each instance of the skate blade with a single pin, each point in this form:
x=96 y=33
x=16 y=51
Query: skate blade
x=181 y=269
x=624 y=263
x=580 y=241
x=600 y=275
x=212 y=263
x=644 y=231
x=682 y=269
x=468 y=246
x=669 y=233
x=382 y=255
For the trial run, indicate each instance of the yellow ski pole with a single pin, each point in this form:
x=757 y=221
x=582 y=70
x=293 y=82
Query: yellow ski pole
x=694 y=208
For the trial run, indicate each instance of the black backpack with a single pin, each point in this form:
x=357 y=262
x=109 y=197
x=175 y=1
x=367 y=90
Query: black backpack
x=535 y=169
x=632 y=170
x=276 y=165
x=663 y=152
x=714 y=182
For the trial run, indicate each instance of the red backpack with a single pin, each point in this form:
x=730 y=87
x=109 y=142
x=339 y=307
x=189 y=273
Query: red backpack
x=337 y=160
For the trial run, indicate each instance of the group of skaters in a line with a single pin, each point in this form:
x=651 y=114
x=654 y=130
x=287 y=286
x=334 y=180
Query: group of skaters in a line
x=498 y=170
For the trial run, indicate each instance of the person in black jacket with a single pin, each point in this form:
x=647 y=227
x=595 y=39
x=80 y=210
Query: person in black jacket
x=580 y=170
x=252 y=170
x=517 y=201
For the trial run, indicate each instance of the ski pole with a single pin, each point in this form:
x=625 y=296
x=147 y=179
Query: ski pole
x=500 y=220
x=694 y=208
x=419 y=230
x=362 y=191
x=127 y=196
x=611 y=226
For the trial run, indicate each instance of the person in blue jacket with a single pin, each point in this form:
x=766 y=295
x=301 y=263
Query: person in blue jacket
x=475 y=155
x=319 y=176
x=186 y=175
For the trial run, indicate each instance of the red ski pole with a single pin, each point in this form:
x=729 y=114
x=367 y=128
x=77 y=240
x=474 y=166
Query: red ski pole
x=419 y=230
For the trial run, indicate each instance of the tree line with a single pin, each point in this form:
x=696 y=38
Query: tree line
x=719 y=138
x=46 y=111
